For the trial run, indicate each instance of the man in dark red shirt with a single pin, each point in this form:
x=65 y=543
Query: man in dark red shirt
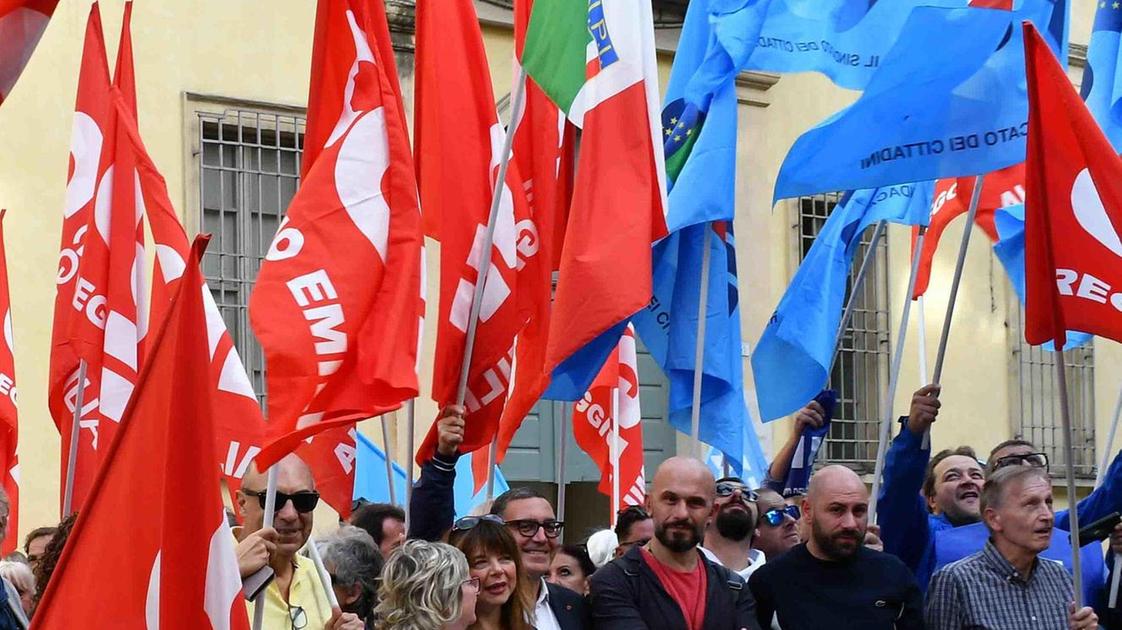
x=669 y=583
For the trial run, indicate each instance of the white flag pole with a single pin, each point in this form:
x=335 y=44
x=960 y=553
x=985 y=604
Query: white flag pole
x=75 y=436
x=894 y=375
x=563 y=441
x=614 y=453
x=1109 y=447
x=699 y=352
x=1065 y=417
x=266 y=521
x=411 y=436
x=324 y=576
x=851 y=304
x=940 y=354
x=921 y=334
x=389 y=458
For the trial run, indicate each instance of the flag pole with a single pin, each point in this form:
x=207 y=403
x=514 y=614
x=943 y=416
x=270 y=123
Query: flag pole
x=1065 y=417
x=75 y=435
x=266 y=521
x=894 y=375
x=940 y=354
x=1107 y=450
x=492 y=454
x=921 y=334
x=851 y=304
x=485 y=255
x=321 y=570
x=614 y=454
x=699 y=352
x=389 y=458
x=561 y=449
x=410 y=475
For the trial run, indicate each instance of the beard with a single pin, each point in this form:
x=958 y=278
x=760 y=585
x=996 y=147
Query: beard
x=679 y=540
x=840 y=545
x=735 y=525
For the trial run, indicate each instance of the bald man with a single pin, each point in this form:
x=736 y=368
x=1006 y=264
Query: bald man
x=668 y=583
x=296 y=597
x=833 y=580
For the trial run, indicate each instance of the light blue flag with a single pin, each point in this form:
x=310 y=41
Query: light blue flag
x=1102 y=86
x=370 y=479
x=791 y=362
x=753 y=466
x=949 y=100
x=1010 y=250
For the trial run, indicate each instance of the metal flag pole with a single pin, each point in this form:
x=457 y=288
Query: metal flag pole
x=699 y=353
x=75 y=435
x=894 y=375
x=492 y=455
x=1065 y=417
x=266 y=521
x=389 y=458
x=921 y=334
x=485 y=264
x=940 y=354
x=410 y=438
x=851 y=304
x=1109 y=444
x=613 y=451
x=324 y=576
x=563 y=443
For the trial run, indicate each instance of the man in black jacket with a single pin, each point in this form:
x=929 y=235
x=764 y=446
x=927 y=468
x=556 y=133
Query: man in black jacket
x=669 y=583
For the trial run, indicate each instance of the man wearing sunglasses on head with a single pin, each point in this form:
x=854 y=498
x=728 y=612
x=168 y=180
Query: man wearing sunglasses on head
x=929 y=508
x=728 y=537
x=295 y=599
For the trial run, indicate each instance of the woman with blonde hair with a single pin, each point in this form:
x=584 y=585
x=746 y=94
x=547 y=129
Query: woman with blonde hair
x=495 y=560
x=426 y=586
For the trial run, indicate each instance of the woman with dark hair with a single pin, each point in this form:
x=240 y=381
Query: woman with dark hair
x=494 y=558
x=51 y=555
x=572 y=567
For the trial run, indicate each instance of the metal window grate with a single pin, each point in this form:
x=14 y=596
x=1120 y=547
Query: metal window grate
x=863 y=360
x=1036 y=413
x=249 y=170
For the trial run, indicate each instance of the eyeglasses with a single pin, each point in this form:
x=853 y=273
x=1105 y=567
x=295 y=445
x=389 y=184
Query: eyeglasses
x=469 y=522
x=774 y=516
x=726 y=489
x=473 y=583
x=630 y=543
x=298 y=617
x=529 y=527
x=1036 y=460
x=304 y=501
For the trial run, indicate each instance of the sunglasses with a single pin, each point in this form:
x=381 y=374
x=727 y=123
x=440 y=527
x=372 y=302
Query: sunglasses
x=774 y=516
x=470 y=522
x=629 y=543
x=304 y=501
x=528 y=528
x=726 y=489
x=298 y=617
x=1036 y=460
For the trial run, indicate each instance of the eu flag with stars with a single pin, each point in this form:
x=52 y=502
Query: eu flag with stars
x=792 y=360
x=1101 y=87
x=949 y=100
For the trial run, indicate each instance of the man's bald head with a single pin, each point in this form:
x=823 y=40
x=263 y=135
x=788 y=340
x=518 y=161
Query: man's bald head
x=837 y=506
x=681 y=503
x=290 y=467
x=685 y=468
x=293 y=527
x=833 y=479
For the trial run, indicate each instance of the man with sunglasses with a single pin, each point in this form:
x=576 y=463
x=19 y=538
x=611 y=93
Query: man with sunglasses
x=728 y=537
x=777 y=528
x=295 y=599
x=929 y=507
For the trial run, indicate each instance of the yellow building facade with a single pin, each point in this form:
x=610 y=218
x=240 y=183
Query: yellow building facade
x=208 y=65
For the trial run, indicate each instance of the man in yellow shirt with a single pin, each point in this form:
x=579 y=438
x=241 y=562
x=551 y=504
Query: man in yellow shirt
x=296 y=598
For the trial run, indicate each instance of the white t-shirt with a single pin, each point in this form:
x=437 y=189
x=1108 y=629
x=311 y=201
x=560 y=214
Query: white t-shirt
x=756 y=560
x=544 y=619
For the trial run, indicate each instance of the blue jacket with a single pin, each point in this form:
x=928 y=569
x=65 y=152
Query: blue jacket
x=914 y=535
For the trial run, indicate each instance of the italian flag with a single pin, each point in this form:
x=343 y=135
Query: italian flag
x=596 y=60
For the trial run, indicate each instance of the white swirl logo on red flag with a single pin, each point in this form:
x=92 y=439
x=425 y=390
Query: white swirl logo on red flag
x=85 y=156
x=1090 y=213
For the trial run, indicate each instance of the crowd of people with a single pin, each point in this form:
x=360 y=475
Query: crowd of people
x=961 y=544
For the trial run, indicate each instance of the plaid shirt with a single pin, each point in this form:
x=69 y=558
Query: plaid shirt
x=985 y=591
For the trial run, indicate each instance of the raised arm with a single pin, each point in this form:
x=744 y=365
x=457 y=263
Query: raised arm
x=433 y=504
x=901 y=510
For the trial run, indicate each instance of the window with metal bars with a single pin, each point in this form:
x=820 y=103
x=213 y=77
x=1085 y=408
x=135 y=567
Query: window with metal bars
x=1036 y=403
x=249 y=170
x=862 y=363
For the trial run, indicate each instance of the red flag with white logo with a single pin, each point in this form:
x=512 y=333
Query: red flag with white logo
x=336 y=302
x=22 y=23
x=455 y=107
x=9 y=427
x=177 y=569
x=1073 y=210
x=613 y=402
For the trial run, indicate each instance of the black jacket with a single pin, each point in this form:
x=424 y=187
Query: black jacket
x=626 y=595
x=432 y=506
x=569 y=608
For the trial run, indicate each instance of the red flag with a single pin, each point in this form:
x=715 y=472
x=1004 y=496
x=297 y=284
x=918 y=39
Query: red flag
x=336 y=302
x=1000 y=189
x=1073 y=210
x=9 y=426
x=79 y=306
x=177 y=569
x=612 y=400
x=22 y=23
x=455 y=107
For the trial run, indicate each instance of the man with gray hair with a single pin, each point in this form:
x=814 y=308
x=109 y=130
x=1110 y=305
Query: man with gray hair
x=352 y=559
x=1007 y=584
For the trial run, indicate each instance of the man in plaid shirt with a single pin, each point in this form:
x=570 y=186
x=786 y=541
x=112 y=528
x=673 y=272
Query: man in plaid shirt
x=1006 y=585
